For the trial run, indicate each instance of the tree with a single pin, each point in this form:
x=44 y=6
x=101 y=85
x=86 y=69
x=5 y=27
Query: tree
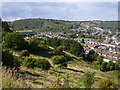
x=82 y=41
x=92 y=56
x=118 y=64
x=104 y=66
x=15 y=41
x=118 y=61
x=37 y=45
x=77 y=49
x=89 y=79
x=100 y=59
x=111 y=66
x=33 y=44
x=5 y=28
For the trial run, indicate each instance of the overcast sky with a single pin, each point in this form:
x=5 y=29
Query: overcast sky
x=75 y=11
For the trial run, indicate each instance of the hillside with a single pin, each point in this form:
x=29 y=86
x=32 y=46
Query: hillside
x=44 y=25
x=73 y=74
x=53 y=63
x=51 y=25
x=111 y=25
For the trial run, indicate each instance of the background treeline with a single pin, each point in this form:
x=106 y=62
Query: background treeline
x=51 y=25
x=111 y=25
x=44 y=25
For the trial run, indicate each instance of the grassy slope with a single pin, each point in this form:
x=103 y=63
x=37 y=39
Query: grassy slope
x=75 y=71
x=83 y=38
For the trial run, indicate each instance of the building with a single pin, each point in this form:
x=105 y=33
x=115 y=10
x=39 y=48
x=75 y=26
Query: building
x=24 y=31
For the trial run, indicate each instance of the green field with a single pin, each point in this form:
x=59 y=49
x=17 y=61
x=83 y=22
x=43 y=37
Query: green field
x=83 y=38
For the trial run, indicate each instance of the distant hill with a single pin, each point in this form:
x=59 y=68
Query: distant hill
x=111 y=25
x=44 y=25
x=51 y=25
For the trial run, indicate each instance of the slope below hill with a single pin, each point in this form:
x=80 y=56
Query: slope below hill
x=74 y=74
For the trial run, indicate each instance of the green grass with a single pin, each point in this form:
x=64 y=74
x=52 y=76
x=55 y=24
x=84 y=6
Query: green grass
x=73 y=74
x=83 y=38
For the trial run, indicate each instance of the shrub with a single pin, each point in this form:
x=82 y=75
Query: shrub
x=61 y=60
x=43 y=64
x=81 y=58
x=33 y=62
x=60 y=48
x=9 y=60
x=29 y=62
x=57 y=52
x=89 y=79
x=24 y=53
x=64 y=65
x=107 y=83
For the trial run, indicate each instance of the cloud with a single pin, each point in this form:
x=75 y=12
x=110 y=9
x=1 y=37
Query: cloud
x=60 y=10
x=60 y=0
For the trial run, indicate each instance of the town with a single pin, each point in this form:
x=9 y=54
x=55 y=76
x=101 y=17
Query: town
x=108 y=47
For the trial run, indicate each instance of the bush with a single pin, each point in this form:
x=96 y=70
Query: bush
x=61 y=60
x=29 y=62
x=107 y=83
x=24 y=53
x=60 y=48
x=57 y=52
x=43 y=64
x=9 y=60
x=89 y=79
x=33 y=62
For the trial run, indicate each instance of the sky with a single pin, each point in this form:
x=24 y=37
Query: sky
x=72 y=11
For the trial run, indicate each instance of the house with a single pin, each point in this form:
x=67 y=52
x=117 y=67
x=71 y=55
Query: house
x=24 y=31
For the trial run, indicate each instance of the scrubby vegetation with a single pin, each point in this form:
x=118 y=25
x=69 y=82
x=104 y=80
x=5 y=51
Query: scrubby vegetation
x=9 y=60
x=89 y=79
x=60 y=60
x=106 y=84
x=32 y=62
x=66 y=45
x=24 y=53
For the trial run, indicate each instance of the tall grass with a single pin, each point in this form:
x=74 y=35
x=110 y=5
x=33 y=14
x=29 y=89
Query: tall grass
x=12 y=79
